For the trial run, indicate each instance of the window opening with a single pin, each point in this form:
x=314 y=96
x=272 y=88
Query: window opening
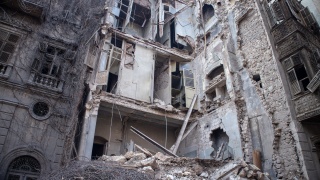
x=215 y=72
x=8 y=42
x=40 y=109
x=140 y=14
x=24 y=167
x=297 y=73
x=207 y=12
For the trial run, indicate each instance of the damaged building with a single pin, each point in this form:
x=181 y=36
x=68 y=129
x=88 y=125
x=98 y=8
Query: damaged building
x=208 y=79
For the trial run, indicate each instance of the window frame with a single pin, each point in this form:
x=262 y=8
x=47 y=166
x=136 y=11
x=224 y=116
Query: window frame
x=290 y=65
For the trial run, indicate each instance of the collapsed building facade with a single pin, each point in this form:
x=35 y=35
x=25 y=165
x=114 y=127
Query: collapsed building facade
x=76 y=84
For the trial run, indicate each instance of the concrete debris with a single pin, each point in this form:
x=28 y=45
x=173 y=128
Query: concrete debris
x=162 y=166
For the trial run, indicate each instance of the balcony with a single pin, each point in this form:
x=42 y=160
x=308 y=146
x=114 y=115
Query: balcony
x=45 y=81
x=5 y=70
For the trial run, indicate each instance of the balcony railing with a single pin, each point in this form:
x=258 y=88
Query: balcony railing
x=46 y=81
x=5 y=70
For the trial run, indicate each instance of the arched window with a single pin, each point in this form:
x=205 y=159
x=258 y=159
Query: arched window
x=24 y=168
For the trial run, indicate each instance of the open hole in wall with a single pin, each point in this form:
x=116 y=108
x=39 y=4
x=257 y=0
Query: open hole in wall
x=99 y=147
x=140 y=15
x=220 y=141
x=114 y=60
x=207 y=12
x=257 y=78
x=162 y=79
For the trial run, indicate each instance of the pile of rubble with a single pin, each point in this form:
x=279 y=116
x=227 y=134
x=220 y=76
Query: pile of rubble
x=145 y=166
x=160 y=166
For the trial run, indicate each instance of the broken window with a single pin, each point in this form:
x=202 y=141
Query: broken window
x=140 y=14
x=113 y=65
x=297 y=73
x=207 y=12
x=48 y=66
x=182 y=85
x=8 y=43
x=48 y=61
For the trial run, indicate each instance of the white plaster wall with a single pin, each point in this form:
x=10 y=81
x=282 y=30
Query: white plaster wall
x=136 y=83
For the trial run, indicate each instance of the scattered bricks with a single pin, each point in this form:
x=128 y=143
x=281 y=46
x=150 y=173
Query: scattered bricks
x=186 y=173
x=119 y=159
x=150 y=162
x=129 y=155
x=242 y=173
x=250 y=174
x=139 y=156
x=253 y=167
x=204 y=174
x=197 y=169
x=147 y=169
x=162 y=157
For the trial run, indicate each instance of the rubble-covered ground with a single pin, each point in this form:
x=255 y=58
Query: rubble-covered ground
x=159 y=166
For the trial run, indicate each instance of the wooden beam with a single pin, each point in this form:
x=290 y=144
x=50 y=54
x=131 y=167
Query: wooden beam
x=136 y=131
x=183 y=128
x=193 y=125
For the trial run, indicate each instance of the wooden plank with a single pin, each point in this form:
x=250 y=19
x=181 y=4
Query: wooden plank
x=191 y=127
x=257 y=159
x=136 y=131
x=183 y=128
x=145 y=151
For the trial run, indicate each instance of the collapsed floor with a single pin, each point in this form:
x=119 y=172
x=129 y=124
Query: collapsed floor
x=137 y=165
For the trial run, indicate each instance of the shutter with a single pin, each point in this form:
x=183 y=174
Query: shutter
x=4 y=56
x=292 y=61
x=277 y=11
x=308 y=17
x=316 y=55
x=3 y=35
x=13 y=38
x=269 y=13
x=292 y=10
x=188 y=78
x=296 y=59
x=314 y=83
x=287 y=63
x=295 y=86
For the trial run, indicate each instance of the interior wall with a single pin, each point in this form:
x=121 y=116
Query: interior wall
x=119 y=143
x=154 y=131
x=136 y=83
x=103 y=130
x=162 y=81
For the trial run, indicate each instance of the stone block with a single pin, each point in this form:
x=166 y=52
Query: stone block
x=2 y=139
x=7 y=108
x=119 y=159
x=309 y=164
x=3 y=131
x=4 y=123
x=57 y=158
x=6 y=116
